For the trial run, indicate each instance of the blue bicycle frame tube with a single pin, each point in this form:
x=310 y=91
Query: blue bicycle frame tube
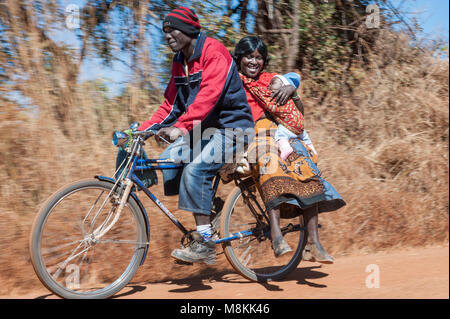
x=241 y=234
x=142 y=164
x=136 y=180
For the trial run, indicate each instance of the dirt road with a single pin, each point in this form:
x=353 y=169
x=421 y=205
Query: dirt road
x=414 y=273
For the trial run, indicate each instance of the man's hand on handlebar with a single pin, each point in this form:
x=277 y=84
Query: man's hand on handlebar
x=168 y=133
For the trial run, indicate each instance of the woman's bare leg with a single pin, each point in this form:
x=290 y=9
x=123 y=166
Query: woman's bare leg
x=314 y=250
x=274 y=216
x=279 y=245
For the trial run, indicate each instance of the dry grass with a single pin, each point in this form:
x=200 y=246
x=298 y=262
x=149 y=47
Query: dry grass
x=384 y=147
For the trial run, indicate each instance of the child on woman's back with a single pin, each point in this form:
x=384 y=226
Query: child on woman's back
x=288 y=116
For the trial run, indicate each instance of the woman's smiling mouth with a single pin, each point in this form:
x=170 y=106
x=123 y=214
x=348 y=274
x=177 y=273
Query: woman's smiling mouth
x=253 y=69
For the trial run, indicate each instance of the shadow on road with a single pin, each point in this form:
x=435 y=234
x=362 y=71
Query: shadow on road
x=129 y=290
x=44 y=296
x=303 y=276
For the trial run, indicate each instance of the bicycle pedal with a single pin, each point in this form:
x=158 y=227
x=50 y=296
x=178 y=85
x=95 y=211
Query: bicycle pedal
x=184 y=263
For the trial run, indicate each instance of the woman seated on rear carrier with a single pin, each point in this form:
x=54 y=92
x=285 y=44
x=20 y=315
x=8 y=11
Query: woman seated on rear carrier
x=293 y=185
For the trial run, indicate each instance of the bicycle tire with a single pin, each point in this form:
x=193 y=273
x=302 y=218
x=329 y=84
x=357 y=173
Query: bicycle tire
x=251 y=258
x=95 y=273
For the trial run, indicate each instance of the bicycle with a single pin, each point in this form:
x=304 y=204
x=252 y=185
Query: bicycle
x=89 y=238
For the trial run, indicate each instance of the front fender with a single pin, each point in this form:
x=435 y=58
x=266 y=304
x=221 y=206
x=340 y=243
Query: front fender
x=142 y=208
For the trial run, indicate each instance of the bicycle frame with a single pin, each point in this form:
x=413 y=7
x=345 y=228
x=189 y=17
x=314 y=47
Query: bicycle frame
x=161 y=164
x=152 y=164
x=139 y=164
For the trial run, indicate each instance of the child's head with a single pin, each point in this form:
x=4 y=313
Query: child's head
x=276 y=83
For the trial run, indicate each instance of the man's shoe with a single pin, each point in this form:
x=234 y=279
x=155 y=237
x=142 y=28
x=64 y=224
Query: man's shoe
x=314 y=253
x=280 y=246
x=198 y=251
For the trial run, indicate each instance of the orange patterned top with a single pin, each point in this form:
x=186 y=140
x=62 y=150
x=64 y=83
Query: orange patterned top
x=288 y=115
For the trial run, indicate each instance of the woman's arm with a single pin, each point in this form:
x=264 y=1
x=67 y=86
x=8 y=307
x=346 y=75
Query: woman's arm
x=298 y=104
x=282 y=95
x=289 y=90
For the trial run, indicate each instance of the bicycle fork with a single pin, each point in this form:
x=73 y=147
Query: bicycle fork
x=102 y=230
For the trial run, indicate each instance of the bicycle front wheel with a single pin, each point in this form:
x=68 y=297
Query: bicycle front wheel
x=252 y=256
x=80 y=247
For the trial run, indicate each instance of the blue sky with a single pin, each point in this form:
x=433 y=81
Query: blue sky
x=432 y=16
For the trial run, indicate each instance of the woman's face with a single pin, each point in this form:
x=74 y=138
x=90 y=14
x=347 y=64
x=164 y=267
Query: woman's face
x=252 y=64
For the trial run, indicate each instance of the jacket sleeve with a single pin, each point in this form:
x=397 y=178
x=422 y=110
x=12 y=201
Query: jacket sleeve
x=214 y=77
x=167 y=113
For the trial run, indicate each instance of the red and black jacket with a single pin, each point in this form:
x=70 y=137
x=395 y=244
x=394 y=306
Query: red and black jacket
x=212 y=93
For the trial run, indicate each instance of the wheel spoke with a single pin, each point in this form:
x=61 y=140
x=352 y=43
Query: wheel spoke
x=57 y=248
x=118 y=241
x=253 y=256
x=246 y=255
x=65 y=257
x=73 y=255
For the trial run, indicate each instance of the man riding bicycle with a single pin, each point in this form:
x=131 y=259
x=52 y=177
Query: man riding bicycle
x=205 y=92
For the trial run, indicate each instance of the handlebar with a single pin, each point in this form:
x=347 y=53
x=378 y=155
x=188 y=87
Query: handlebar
x=147 y=134
x=143 y=133
x=121 y=138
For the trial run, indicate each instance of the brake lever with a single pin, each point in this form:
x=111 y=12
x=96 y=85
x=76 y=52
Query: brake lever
x=164 y=140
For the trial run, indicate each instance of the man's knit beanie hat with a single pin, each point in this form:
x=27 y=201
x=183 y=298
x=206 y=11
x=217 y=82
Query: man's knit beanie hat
x=183 y=19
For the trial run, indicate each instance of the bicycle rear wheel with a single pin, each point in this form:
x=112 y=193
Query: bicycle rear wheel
x=73 y=263
x=253 y=256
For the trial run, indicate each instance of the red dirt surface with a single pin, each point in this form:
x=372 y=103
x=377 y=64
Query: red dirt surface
x=416 y=273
